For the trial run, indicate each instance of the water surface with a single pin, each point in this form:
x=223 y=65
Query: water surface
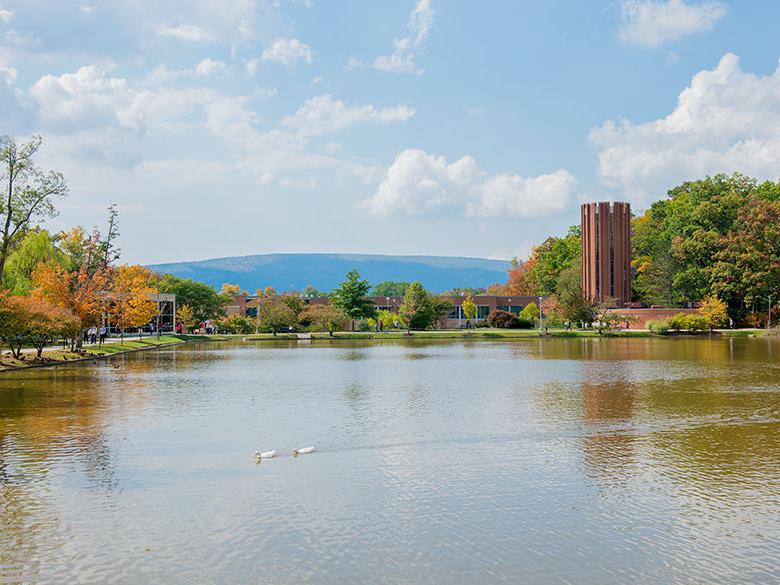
x=535 y=461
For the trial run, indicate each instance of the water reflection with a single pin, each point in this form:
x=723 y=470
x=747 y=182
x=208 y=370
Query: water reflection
x=579 y=460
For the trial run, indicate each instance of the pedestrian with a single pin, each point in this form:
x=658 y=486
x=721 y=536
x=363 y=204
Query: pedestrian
x=103 y=333
x=202 y=328
x=93 y=335
x=178 y=328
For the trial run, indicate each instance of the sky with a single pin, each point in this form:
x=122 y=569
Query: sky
x=419 y=127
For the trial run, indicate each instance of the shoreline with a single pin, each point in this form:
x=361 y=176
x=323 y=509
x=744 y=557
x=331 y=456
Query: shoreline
x=106 y=351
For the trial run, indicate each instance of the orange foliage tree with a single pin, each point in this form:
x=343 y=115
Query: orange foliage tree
x=81 y=292
x=132 y=302
x=33 y=321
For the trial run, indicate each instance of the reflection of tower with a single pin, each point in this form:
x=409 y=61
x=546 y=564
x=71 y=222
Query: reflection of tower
x=608 y=451
x=606 y=252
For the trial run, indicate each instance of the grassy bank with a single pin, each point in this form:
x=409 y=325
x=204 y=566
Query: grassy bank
x=53 y=357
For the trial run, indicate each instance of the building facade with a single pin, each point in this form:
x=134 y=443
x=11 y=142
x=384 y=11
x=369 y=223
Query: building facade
x=606 y=252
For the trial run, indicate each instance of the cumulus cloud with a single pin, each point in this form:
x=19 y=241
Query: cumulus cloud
x=418 y=183
x=322 y=114
x=185 y=32
x=726 y=120
x=287 y=51
x=90 y=97
x=651 y=23
x=405 y=48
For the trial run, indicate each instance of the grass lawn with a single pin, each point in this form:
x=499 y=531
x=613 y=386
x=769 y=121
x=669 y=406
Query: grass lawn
x=59 y=356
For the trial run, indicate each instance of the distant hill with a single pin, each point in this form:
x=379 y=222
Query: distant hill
x=326 y=271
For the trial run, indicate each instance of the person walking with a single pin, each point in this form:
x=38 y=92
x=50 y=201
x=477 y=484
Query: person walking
x=93 y=335
x=103 y=332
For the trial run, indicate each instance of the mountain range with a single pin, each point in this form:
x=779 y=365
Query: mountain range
x=326 y=271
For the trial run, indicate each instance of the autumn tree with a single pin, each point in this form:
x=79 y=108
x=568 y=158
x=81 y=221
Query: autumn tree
x=26 y=192
x=230 y=290
x=324 y=318
x=33 y=322
x=132 y=298
x=78 y=291
x=469 y=308
x=185 y=315
x=714 y=311
x=420 y=310
x=274 y=316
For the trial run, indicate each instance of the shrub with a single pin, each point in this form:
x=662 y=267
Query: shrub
x=694 y=323
x=659 y=326
x=502 y=320
x=482 y=324
x=677 y=322
x=236 y=324
x=525 y=323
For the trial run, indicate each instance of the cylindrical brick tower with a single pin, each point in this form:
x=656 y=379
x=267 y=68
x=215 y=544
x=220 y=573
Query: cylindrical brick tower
x=606 y=252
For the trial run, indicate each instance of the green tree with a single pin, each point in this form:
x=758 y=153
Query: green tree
x=419 y=310
x=37 y=246
x=324 y=318
x=530 y=312
x=203 y=300
x=390 y=288
x=747 y=266
x=26 y=192
x=350 y=297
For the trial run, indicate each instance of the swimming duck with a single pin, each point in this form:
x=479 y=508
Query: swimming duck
x=302 y=451
x=264 y=455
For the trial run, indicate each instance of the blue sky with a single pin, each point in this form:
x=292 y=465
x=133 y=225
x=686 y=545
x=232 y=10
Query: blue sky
x=400 y=127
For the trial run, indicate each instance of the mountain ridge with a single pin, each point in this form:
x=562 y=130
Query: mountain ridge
x=294 y=271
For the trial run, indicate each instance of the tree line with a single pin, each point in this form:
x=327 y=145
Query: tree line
x=714 y=237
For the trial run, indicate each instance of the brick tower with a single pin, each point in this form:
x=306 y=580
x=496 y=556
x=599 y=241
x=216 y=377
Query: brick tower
x=606 y=252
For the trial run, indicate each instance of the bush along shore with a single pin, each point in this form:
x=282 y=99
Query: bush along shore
x=55 y=357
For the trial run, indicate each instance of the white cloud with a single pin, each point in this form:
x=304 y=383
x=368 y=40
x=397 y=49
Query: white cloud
x=87 y=8
x=418 y=183
x=209 y=67
x=726 y=120
x=323 y=114
x=287 y=51
x=185 y=32
x=89 y=97
x=402 y=59
x=6 y=15
x=654 y=22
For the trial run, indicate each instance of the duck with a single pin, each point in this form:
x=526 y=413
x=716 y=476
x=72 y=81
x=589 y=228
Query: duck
x=302 y=451
x=264 y=455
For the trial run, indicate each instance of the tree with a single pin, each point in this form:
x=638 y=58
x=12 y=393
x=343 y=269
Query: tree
x=202 y=299
x=714 y=311
x=230 y=290
x=324 y=318
x=37 y=246
x=390 y=288
x=78 y=291
x=502 y=320
x=27 y=192
x=132 y=299
x=310 y=292
x=469 y=308
x=530 y=312
x=350 y=297
x=274 y=316
x=236 y=324
x=746 y=270
x=419 y=310
x=185 y=316
x=33 y=321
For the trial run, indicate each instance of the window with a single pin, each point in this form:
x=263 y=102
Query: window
x=482 y=311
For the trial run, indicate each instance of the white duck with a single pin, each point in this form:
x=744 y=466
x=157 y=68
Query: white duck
x=264 y=455
x=302 y=451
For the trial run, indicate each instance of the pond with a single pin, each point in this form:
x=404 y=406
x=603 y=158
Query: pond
x=640 y=460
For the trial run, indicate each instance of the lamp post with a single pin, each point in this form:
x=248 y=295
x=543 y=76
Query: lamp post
x=540 y=314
